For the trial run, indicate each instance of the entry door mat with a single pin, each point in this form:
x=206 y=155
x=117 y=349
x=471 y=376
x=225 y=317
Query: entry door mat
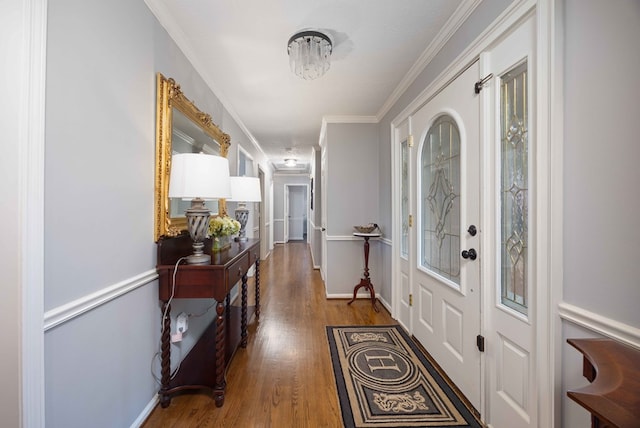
x=384 y=380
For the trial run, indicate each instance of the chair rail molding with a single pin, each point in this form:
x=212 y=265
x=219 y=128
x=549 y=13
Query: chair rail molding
x=70 y=310
x=600 y=324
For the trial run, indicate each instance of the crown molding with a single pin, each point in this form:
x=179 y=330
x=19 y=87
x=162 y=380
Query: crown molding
x=175 y=32
x=451 y=26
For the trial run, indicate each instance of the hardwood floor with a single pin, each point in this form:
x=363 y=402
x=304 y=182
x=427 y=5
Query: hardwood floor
x=284 y=376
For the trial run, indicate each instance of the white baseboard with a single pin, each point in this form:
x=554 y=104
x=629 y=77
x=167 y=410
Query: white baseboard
x=361 y=295
x=600 y=324
x=146 y=412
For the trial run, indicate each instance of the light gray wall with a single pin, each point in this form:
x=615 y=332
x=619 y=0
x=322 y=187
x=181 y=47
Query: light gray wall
x=601 y=174
x=99 y=163
x=100 y=142
x=12 y=123
x=352 y=199
x=602 y=198
x=352 y=181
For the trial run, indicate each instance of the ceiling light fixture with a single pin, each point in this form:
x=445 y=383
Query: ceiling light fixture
x=309 y=54
x=290 y=162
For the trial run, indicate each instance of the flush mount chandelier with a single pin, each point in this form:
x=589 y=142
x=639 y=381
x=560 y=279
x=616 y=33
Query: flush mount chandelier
x=309 y=54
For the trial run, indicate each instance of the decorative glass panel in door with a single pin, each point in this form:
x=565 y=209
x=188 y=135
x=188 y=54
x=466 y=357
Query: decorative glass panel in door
x=404 y=185
x=440 y=200
x=514 y=188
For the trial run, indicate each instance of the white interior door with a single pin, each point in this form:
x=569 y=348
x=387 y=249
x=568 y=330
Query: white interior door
x=446 y=274
x=509 y=247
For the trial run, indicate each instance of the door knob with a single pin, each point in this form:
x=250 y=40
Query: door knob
x=471 y=254
x=472 y=230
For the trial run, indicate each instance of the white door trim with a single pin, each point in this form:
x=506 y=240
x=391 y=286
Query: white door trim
x=32 y=65
x=548 y=161
x=287 y=208
x=549 y=150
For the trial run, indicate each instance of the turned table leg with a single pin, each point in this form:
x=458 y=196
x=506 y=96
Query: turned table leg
x=243 y=318
x=220 y=358
x=257 y=288
x=366 y=281
x=165 y=355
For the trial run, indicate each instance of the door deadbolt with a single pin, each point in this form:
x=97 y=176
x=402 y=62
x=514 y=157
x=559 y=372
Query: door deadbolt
x=472 y=230
x=470 y=254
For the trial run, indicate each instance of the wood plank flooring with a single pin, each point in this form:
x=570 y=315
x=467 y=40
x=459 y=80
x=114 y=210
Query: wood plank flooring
x=284 y=376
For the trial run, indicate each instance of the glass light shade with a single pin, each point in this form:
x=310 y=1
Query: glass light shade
x=245 y=189
x=309 y=54
x=196 y=175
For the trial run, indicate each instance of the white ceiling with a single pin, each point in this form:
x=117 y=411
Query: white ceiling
x=240 y=48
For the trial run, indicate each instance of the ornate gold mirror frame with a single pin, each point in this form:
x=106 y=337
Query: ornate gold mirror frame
x=170 y=97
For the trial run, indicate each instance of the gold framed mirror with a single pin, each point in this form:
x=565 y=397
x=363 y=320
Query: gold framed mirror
x=180 y=128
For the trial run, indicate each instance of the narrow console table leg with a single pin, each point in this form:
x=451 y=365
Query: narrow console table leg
x=366 y=281
x=220 y=362
x=165 y=355
x=243 y=318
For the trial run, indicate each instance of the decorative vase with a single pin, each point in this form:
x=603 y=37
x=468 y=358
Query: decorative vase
x=220 y=243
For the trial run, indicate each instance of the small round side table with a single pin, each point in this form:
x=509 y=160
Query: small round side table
x=366 y=281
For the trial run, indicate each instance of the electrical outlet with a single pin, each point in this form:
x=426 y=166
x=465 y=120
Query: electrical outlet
x=182 y=322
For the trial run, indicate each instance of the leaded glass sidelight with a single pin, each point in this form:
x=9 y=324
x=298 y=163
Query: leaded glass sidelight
x=514 y=188
x=440 y=199
x=404 y=155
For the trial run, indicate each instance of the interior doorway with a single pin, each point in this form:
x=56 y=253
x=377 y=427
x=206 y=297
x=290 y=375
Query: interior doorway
x=296 y=212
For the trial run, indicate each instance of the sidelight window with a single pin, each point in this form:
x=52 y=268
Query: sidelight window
x=514 y=189
x=404 y=155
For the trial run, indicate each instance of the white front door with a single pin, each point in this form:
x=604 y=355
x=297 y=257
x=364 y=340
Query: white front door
x=445 y=267
x=508 y=229
x=402 y=156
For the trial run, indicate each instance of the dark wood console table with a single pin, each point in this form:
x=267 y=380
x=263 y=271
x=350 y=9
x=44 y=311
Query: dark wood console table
x=201 y=368
x=613 y=397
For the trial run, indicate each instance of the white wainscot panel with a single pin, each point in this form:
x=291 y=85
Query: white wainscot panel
x=405 y=287
x=452 y=322
x=426 y=307
x=513 y=376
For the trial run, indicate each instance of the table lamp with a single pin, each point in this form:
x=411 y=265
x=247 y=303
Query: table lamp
x=243 y=190
x=198 y=177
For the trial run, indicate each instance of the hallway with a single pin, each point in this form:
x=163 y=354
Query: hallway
x=284 y=376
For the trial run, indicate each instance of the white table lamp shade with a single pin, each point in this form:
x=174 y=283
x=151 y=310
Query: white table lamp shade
x=245 y=189
x=196 y=175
